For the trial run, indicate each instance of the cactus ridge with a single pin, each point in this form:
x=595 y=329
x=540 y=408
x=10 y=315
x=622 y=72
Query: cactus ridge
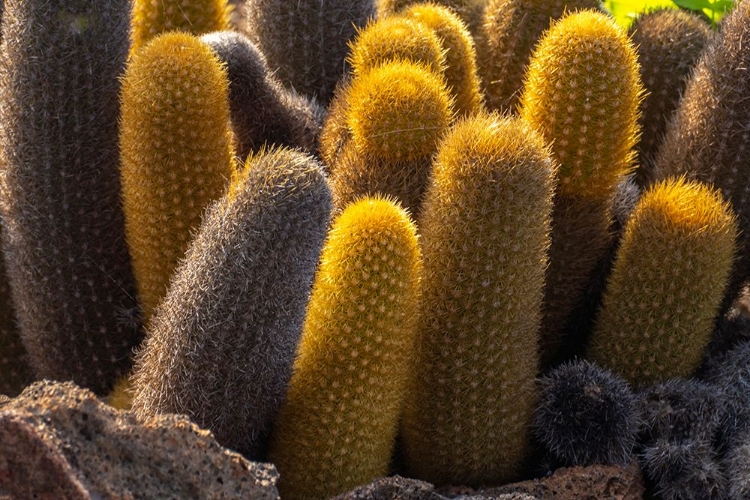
x=667 y=283
x=263 y=112
x=338 y=425
x=306 y=42
x=509 y=32
x=586 y=415
x=708 y=136
x=151 y=18
x=175 y=143
x=63 y=233
x=460 y=55
x=469 y=415
x=669 y=43
x=222 y=343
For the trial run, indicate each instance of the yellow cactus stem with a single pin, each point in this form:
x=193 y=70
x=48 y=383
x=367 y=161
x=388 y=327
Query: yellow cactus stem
x=583 y=92
x=460 y=56
x=338 y=425
x=395 y=39
x=667 y=285
x=484 y=233
x=175 y=144
x=470 y=11
x=121 y=396
x=153 y=17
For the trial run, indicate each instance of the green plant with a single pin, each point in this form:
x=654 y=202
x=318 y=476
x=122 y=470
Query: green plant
x=220 y=347
x=306 y=42
x=395 y=115
x=63 y=229
x=669 y=43
x=587 y=107
x=460 y=56
x=707 y=138
x=175 y=146
x=484 y=232
x=338 y=425
x=150 y=18
x=509 y=32
x=627 y=11
x=667 y=284
x=263 y=112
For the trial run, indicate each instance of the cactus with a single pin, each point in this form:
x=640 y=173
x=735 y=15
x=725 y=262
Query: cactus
x=509 y=31
x=175 y=144
x=306 y=42
x=338 y=425
x=396 y=114
x=460 y=56
x=63 y=233
x=263 y=112
x=396 y=39
x=669 y=42
x=484 y=231
x=737 y=466
x=582 y=92
x=586 y=415
x=683 y=470
x=15 y=371
x=152 y=18
x=470 y=11
x=221 y=345
x=667 y=284
x=707 y=138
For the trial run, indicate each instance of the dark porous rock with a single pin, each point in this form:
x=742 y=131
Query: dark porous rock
x=401 y=488
x=595 y=482
x=58 y=441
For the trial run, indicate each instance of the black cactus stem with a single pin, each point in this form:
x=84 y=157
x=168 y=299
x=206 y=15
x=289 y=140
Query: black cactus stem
x=63 y=234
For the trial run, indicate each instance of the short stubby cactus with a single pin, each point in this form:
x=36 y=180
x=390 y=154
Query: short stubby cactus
x=396 y=114
x=396 y=39
x=707 y=139
x=582 y=92
x=667 y=283
x=63 y=229
x=484 y=231
x=669 y=43
x=306 y=42
x=510 y=29
x=460 y=56
x=586 y=415
x=220 y=347
x=470 y=11
x=338 y=425
x=153 y=17
x=263 y=112
x=175 y=143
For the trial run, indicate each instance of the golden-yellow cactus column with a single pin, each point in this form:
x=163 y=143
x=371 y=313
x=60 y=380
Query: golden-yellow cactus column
x=153 y=17
x=338 y=425
x=175 y=144
x=582 y=92
x=484 y=233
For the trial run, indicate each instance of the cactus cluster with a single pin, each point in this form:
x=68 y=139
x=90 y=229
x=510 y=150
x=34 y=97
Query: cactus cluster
x=344 y=264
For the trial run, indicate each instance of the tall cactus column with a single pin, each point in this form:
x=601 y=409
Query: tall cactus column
x=64 y=233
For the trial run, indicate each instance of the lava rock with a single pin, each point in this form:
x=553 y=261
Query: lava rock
x=59 y=441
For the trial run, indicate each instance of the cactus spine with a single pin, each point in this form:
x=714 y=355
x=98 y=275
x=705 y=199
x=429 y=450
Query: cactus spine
x=306 y=42
x=707 y=139
x=582 y=92
x=175 y=145
x=152 y=17
x=669 y=43
x=63 y=232
x=460 y=56
x=396 y=114
x=338 y=425
x=667 y=284
x=263 y=112
x=484 y=231
x=509 y=32
x=221 y=345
